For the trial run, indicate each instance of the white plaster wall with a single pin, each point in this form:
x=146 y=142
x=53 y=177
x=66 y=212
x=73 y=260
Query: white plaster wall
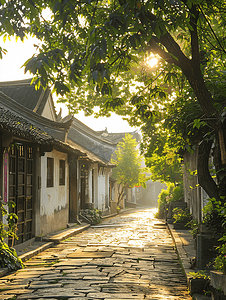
x=101 y=190
x=96 y=186
x=54 y=200
x=90 y=184
x=106 y=188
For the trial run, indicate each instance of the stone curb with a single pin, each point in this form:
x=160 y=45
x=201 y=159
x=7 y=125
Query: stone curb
x=185 y=263
x=56 y=239
x=109 y=216
x=32 y=253
x=184 y=260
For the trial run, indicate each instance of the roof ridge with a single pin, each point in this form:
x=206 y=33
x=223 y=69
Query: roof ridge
x=30 y=113
x=16 y=82
x=91 y=132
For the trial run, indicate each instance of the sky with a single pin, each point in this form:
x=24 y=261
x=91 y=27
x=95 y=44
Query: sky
x=10 y=69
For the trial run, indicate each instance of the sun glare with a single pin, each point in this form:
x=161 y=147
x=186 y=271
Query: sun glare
x=152 y=61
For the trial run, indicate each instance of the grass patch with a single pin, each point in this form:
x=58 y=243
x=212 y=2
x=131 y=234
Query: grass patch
x=3 y=289
x=53 y=281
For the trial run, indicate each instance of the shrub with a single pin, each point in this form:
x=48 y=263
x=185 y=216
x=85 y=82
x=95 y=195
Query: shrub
x=199 y=274
x=195 y=227
x=181 y=215
x=162 y=199
x=177 y=193
x=94 y=215
x=215 y=214
x=220 y=261
x=8 y=256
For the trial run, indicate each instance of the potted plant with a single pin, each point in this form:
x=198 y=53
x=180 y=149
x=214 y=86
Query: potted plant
x=198 y=282
x=218 y=277
x=181 y=218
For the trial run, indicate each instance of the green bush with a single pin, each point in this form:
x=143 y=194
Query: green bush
x=220 y=261
x=199 y=274
x=94 y=215
x=162 y=199
x=181 y=215
x=8 y=256
x=215 y=215
x=177 y=194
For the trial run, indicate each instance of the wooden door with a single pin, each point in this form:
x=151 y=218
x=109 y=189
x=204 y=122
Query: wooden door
x=21 y=177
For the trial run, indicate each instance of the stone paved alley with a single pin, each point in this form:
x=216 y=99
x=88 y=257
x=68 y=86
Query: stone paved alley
x=129 y=256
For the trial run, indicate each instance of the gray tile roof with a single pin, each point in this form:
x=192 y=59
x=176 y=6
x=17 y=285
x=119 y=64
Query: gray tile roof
x=89 y=140
x=57 y=130
x=20 y=127
x=25 y=94
x=25 y=127
x=118 y=136
x=91 y=157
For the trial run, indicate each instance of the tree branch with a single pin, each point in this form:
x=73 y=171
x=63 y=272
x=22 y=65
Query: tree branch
x=158 y=50
x=214 y=34
x=194 y=35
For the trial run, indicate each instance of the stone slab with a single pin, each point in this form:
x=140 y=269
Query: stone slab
x=86 y=254
x=53 y=293
x=57 y=238
x=24 y=257
x=116 y=296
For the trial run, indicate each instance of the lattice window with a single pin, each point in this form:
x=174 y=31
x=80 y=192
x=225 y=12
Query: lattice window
x=62 y=172
x=50 y=171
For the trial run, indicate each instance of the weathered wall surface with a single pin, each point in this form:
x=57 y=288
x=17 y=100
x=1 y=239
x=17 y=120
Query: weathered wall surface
x=101 y=188
x=194 y=195
x=54 y=200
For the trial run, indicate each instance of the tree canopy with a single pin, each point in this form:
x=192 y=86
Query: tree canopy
x=128 y=172
x=98 y=51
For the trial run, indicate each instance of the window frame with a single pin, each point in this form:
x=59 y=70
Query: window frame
x=50 y=172
x=63 y=168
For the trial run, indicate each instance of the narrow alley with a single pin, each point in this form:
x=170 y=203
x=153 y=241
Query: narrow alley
x=129 y=256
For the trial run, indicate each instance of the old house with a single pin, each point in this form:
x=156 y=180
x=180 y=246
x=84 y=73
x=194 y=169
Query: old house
x=38 y=173
x=35 y=170
x=70 y=176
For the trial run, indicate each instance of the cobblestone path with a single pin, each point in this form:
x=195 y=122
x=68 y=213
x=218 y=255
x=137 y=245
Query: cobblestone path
x=126 y=257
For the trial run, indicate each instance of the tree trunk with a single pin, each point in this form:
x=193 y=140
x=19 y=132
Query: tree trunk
x=120 y=194
x=204 y=97
x=204 y=177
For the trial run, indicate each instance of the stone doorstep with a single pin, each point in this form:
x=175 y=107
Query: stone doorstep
x=109 y=216
x=56 y=239
x=32 y=253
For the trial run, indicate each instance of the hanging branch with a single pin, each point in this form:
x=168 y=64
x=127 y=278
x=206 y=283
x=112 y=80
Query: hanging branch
x=214 y=34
